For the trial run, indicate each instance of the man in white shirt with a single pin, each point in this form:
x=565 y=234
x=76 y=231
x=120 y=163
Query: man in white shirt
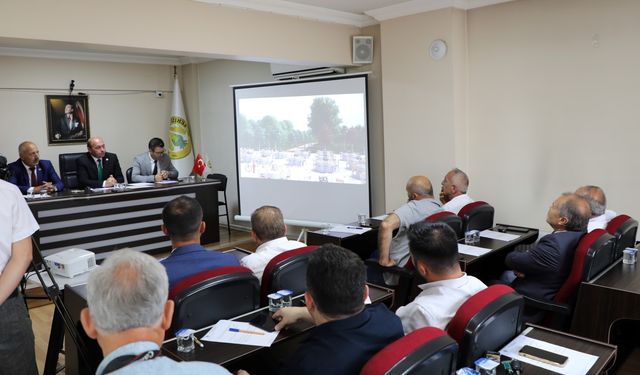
x=600 y=216
x=454 y=191
x=434 y=249
x=269 y=233
x=17 y=353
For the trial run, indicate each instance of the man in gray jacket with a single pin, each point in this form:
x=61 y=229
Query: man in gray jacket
x=153 y=166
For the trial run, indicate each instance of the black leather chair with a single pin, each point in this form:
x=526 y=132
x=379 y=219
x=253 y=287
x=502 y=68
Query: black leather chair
x=287 y=270
x=624 y=229
x=206 y=297
x=69 y=169
x=129 y=175
x=426 y=350
x=449 y=218
x=222 y=188
x=476 y=216
x=488 y=320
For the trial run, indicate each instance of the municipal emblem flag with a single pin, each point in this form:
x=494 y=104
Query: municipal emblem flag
x=180 y=146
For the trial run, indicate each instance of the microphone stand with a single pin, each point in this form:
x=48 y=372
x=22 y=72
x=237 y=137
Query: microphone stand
x=61 y=313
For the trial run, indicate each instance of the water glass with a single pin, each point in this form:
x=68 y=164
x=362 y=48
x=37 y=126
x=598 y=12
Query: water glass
x=286 y=295
x=185 y=343
x=629 y=255
x=362 y=220
x=275 y=302
x=471 y=237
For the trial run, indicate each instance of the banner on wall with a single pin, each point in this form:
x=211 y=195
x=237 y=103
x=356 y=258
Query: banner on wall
x=180 y=145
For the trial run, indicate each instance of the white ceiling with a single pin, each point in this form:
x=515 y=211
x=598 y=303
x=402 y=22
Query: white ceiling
x=351 y=12
x=359 y=13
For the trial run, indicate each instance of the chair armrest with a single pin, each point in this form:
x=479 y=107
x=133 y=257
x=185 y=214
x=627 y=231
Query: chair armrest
x=396 y=270
x=544 y=305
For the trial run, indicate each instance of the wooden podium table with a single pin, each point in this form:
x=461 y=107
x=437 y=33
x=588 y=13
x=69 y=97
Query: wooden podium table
x=107 y=221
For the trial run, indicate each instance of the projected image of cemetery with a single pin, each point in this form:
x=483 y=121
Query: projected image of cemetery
x=308 y=138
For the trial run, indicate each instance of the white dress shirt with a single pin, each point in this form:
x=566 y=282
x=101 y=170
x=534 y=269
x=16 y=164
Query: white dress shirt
x=438 y=302
x=257 y=261
x=456 y=203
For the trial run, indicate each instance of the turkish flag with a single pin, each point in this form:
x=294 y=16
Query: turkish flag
x=199 y=165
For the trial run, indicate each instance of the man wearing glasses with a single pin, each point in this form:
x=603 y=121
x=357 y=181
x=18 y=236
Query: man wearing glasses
x=153 y=166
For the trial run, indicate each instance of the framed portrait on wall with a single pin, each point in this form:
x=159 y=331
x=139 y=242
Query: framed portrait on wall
x=67 y=118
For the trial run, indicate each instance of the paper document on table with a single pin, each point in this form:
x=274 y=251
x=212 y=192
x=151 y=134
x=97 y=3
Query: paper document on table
x=232 y=332
x=167 y=182
x=137 y=185
x=578 y=362
x=349 y=229
x=488 y=233
x=472 y=250
x=100 y=190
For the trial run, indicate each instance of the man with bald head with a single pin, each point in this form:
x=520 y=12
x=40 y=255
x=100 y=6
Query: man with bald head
x=31 y=174
x=540 y=271
x=420 y=204
x=600 y=216
x=269 y=232
x=454 y=191
x=98 y=168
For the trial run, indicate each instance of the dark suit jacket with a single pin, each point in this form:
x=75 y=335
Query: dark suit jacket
x=76 y=130
x=44 y=172
x=88 y=170
x=546 y=265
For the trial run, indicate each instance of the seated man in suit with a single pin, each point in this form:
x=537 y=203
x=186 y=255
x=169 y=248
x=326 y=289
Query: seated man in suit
x=540 y=271
x=182 y=222
x=32 y=174
x=153 y=166
x=600 y=216
x=128 y=313
x=269 y=233
x=395 y=250
x=454 y=191
x=434 y=249
x=98 y=168
x=347 y=333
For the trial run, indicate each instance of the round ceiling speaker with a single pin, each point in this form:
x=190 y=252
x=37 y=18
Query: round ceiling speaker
x=438 y=49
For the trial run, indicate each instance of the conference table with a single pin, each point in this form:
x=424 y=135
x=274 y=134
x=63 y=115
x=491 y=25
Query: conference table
x=235 y=356
x=486 y=267
x=611 y=297
x=228 y=355
x=605 y=353
x=105 y=220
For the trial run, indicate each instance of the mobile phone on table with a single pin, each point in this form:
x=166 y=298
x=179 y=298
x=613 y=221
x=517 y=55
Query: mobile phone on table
x=545 y=356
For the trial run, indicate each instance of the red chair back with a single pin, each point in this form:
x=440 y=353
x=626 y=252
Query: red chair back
x=287 y=270
x=592 y=255
x=624 y=229
x=476 y=216
x=206 y=297
x=425 y=350
x=486 y=321
x=449 y=218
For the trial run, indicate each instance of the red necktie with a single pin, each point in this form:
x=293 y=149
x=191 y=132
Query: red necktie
x=34 y=180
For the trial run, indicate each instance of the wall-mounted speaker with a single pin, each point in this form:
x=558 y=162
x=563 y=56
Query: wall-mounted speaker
x=362 y=49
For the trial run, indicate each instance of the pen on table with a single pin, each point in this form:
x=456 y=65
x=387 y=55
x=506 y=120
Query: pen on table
x=200 y=344
x=245 y=331
x=355 y=228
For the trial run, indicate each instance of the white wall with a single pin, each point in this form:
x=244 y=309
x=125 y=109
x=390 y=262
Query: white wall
x=549 y=110
x=126 y=122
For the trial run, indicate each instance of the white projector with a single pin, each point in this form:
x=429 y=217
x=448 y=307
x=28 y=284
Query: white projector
x=72 y=262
